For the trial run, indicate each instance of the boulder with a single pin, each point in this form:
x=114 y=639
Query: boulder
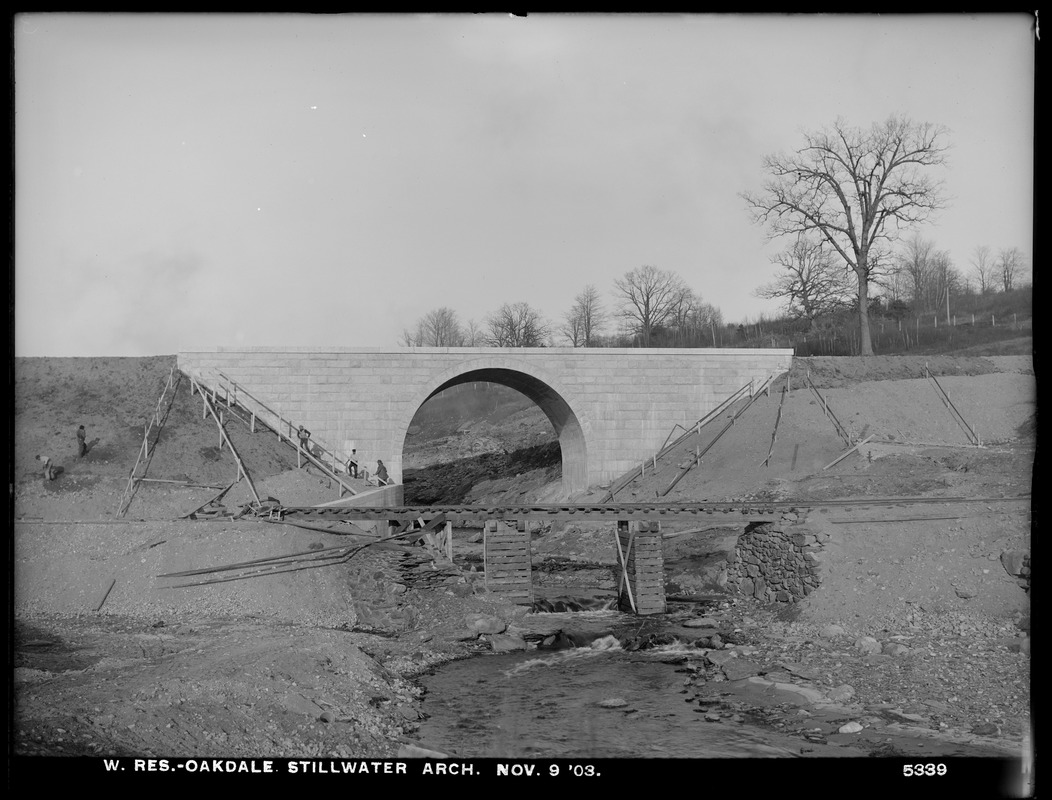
x=867 y=645
x=842 y=693
x=485 y=623
x=850 y=727
x=504 y=643
x=1013 y=560
x=831 y=632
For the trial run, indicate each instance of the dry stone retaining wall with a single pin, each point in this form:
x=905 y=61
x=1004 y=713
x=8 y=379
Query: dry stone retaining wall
x=777 y=562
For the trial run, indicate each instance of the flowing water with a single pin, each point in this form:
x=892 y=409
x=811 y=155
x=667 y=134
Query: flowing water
x=592 y=701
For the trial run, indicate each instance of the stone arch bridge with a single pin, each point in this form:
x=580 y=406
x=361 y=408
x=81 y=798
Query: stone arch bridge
x=611 y=408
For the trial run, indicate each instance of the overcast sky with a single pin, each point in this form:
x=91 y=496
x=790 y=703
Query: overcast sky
x=191 y=181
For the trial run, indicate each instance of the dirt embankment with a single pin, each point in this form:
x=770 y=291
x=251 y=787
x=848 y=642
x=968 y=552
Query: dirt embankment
x=112 y=658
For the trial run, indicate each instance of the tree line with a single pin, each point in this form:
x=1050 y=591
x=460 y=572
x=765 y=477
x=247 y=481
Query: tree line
x=651 y=307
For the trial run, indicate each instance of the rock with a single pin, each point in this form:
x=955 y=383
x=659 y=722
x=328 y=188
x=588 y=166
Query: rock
x=701 y=622
x=1018 y=645
x=985 y=729
x=965 y=592
x=505 y=643
x=802 y=693
x=327 y=716
x=715 y=641
x=613 y=702
x=842 y=693
x=713 y=716
x=895 y=649
x=850 y=727
x=415 y=751
x=1012 y=561
x=485 y=623
x=720 y=657
x=738 y=668
x=867 y=645
x=831 y=632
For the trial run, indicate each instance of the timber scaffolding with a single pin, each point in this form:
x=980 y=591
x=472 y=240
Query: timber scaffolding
x=753 y=391
x=232 y=396
x=151 y=429
x=970 y=432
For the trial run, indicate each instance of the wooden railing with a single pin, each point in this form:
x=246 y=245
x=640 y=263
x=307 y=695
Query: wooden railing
x=668 y=446
x=233 y=395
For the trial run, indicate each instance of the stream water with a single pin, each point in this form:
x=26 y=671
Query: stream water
x=591 y=701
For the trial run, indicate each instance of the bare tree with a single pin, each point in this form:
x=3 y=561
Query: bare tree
x=929 y=273
x=983 y=268
x=437 y=328
x=1009 y=265
x=856 y=188
x=473 y=335
x=585 y=319
x=650 y=297
x=517 y=325
x=812 y=283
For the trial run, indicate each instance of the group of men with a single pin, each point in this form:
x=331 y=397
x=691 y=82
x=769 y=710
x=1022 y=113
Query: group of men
x=353 y=468
x=50 y=470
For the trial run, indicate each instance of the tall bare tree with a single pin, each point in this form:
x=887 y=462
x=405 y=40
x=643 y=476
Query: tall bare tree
x=650 y=297
x=517 y=325
x=1010 y=265
x=983 y=268
x=810 y=283
x=439 y=327
x=473 y=335
x=585 y=319
x=856 y=188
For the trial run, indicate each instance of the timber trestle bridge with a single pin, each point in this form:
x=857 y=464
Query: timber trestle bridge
x=507 y=536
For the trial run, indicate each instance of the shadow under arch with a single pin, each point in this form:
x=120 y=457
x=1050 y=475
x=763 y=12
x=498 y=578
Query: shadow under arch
x=564 y=420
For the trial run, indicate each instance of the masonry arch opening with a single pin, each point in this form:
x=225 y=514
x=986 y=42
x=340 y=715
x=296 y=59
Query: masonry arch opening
x=479 y=394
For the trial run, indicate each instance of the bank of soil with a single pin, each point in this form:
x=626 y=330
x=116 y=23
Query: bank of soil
x=112 y=658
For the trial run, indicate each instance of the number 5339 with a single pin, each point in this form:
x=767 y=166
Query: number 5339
x=910 y=770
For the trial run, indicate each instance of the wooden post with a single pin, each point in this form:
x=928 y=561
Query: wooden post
x=146 y=441
x=252 y=427
x=449 y=540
